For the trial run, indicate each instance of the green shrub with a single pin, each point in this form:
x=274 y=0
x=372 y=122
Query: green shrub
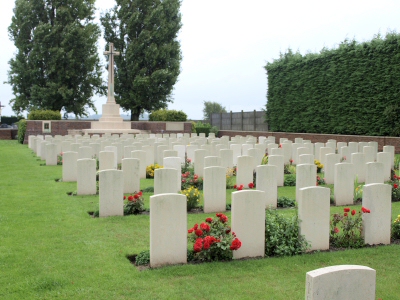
x=214 y=130
x=143 y=258
x=286 y=202
x=168 y=115
x=44 y=115
x=203 y=128
x=282 y=235
x=396 y=228
x=21 y=130
x=290 y=180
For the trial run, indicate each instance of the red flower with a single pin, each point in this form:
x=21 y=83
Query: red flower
x=183 y=180
x=198 y=232
x=209 y=220
x=136 y=196
x=195 y=226
x=239 y=188
x=346 y=209
x=336 y=230
x=189 y=160
x=218 y=214
x=140 y=193
x=195 y=176
x=124 y=197
x=190 y=230
x=395 y=186
x=236 y=244
x=291 y=160
x=198 y=245
x=206 y=245
x=130 y=198
x=223 y=218
x=235 y=186
x=365 y=210
x=251 y=185
x=353 y=212
x=205 y=227
x=234 y=234
x=345 y=214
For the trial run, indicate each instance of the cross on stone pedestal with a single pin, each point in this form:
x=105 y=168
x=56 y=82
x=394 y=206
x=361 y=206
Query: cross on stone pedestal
x=111 y=53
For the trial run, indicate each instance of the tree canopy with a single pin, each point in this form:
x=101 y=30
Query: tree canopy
x=56 y=65
x=145 y=32
x=212 y=108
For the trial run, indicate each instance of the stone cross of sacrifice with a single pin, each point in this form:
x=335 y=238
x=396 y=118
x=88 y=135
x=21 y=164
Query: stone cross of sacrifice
x=111 y=53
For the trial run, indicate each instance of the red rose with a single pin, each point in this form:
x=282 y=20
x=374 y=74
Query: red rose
x=189 y=160
x=336 y=230
x=346 y=209
x=130 y=198
x=365 y=210
x=190 y=230
x=136 y=196
x=140 y=193
x=353 y=212
x=205 y=227
x=209 y=220
x=223 y=218
x=236 y=244
x=124 y=197
x=195 y=226
x=239 y=188
x=345 y=214
x=228 y=230
x=218 y=214
x=183 y=180
x=206 y=245
x=235 y=186
x=251 y=185
x=395 y=186
x=198 y=245
x=234 y=234
x=198 y=232
x=195 y=176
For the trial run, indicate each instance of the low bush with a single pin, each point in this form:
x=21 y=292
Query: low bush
x=286 y=202
x=143 y=258
x=290 y=180
x=168 y=115
x=282 y=235
x=396 y=228
x=44 y=115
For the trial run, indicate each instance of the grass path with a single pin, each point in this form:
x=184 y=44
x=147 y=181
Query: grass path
x=51 y=249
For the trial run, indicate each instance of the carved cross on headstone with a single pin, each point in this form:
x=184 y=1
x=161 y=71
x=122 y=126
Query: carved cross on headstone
x=111 y=53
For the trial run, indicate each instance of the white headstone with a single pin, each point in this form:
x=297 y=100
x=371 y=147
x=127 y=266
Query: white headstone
x=329 y=167
x=86 y=176
x=244 y=172
x=174 y=163
x=248 y=222
x=344 y=184
x=377 y=198
x=51 y=155
x=141 y=155
x=277 y=161
x=391 y=150
x=374 y=173
x=168 y=230
x=111 y=193
x=165 y=181
x=306 y=176
x=212 y=161
x=386 y=159
x=314 y=215
x=369 y=154
x=199 y=161
x=114 y=150
x=107 y=160
x=358 y=160
x=266 y=181
x=226 y=158
x=69 y=167
x=131 y=171
x=214 y=189
x=343 y=282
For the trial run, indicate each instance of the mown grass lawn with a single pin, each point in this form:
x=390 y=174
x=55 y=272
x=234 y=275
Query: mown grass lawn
x=50 y=248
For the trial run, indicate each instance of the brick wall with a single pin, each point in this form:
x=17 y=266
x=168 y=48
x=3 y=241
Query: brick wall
x=61 y=127
x=8 y=133
x=321 y=138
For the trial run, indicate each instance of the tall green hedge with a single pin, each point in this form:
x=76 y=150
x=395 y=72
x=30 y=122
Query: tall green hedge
x=21 y=130
x=353 y=89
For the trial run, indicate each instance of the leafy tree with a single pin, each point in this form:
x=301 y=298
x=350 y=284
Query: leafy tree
x=212 y=108
x=56 y=65
x=144 y=32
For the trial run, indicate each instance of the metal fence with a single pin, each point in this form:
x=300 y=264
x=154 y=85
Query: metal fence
x=242 y=121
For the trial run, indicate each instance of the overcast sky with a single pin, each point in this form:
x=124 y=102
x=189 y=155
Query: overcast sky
x=226 y=44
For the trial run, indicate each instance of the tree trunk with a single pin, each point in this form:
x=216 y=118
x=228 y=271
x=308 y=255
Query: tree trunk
x=134 y=115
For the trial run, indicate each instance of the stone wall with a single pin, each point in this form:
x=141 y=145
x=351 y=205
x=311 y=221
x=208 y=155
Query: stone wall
x=63 y=126
x=320 y=138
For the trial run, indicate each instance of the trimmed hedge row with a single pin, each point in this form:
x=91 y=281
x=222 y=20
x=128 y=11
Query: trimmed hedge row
x=168 y=115
x=354 y=89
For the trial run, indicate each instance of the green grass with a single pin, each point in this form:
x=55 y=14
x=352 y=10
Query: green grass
x=50 y=248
